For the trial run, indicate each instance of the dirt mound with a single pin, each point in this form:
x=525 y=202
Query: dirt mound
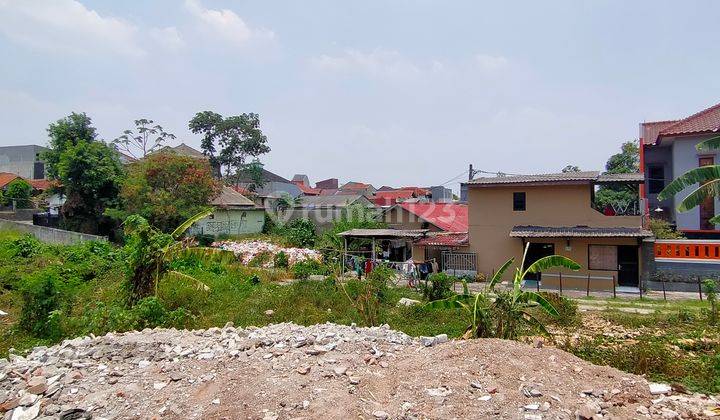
x=321 y=371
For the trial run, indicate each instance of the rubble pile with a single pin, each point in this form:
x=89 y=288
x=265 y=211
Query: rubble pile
x=322 y=371
x=247 y=250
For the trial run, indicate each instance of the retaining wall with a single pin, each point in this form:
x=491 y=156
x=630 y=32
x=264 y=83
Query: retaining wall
x=51 y=235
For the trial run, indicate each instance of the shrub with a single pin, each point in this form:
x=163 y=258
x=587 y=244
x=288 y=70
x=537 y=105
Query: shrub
x=304 y=269
x=26 y=246
x=41 y=300
x=664 y=230
x=204 y=239
x=261 y=259
x=368 y=296
x=280 y=260
x=299 y=233
x=710 y=289
x=567 y=310
x=440 y=286
x=19 y=191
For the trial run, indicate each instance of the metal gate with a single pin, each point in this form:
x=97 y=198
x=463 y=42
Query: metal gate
x=459 y=261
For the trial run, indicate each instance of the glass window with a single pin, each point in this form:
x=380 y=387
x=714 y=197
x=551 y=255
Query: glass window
x=602 y=257
x=656 y=179
x=519 y=201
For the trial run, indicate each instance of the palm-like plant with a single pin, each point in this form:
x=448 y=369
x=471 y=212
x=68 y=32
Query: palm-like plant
x=705 y=179
x=149 y=253
x=498 y=314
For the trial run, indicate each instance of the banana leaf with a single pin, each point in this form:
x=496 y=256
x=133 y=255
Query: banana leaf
x=544 y=303
x=497 y=277
x=177 y=233
x=697 y=197
x=699 y=175
x=549 y=262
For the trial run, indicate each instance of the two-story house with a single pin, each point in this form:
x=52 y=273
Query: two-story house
x=556 y=214
x=668 y=151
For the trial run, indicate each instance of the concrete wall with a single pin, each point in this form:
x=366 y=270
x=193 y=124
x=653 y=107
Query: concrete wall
x=230 y=222
x=685 y=157
x=491 y=217
x=21 y=160
x=18 y=214
x=51 y=235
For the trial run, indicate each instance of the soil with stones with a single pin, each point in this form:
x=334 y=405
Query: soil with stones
x=322 y=371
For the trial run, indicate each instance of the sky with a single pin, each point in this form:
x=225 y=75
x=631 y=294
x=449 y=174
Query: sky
x=390 y=92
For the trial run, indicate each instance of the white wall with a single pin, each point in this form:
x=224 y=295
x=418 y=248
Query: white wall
x=231 y=222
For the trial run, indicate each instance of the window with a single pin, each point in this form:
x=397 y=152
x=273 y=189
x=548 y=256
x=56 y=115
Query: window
x=602 y=257
x=519 y=201
x=656 y=179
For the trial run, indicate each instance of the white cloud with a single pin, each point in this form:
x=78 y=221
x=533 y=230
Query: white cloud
x=377 y=63
x=491 y=62
x=226 y=24
x=67 y=26
x=167 y=38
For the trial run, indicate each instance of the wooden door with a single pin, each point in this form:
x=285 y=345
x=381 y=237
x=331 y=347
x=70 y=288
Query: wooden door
x=707 y=208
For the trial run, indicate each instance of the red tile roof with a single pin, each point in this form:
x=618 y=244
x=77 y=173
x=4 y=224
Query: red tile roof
x=395 y=194
x=305 y=189
x=43 y=184
x=6 y=178
x=705 y=121
x=449 y=217
x=445 y=239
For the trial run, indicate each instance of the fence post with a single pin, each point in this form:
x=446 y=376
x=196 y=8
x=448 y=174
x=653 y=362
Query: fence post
x=614 y=292
x=560 y=275
x=640 y=288
x=699 y=288
x=663 y=286
x=537 y=283
x=588 y=286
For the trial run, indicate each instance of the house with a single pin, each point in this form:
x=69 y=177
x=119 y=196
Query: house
x=6 y=178
x=358 y=188
x=441 y=194
x=391 y=197
x=327 y=184
x=273 y=187
x=25 y=161
x=668 y=151
x=447 y=231
x=323 y=210
x=234 y=214
x=556 y=214
x=303 y=182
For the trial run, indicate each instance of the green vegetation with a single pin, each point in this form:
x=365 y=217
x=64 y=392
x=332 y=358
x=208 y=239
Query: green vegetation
x=19 y=192
x=627 y=161
x=664 y=230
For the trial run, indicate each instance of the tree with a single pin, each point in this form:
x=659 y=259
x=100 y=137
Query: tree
x=19 y=192
x=237 y=137
x=571 y=168
x=254 y=170
x=149 y=253
x=165 y=189
x=65 y=133
x=90 y=173
x=146 y=139
x=625 y=162
x=705 y=180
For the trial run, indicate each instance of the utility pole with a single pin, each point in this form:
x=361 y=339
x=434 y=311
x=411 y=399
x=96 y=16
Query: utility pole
x=472 y=173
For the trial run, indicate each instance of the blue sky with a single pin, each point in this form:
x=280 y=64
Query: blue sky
x=388 y=92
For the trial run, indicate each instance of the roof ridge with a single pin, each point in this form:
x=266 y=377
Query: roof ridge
x=691 y=117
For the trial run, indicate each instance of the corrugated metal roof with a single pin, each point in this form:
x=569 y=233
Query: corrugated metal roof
x=583 y=177
x=383 y=233
x=578 y=231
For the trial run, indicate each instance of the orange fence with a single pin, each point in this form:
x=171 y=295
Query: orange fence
x=688 y=250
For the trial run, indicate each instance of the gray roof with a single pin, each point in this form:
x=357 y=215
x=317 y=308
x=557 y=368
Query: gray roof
x=583 y=177
x=332 y=201
x=578 y=232
x=184 y=150
x=231 y=198
x=383 y=233
x=267 y=176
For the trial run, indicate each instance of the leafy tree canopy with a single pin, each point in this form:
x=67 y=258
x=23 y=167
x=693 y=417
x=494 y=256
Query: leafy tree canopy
x=65 y=133
x=229 y=141
x=18 y=191
x=627 y=161
x=145 y=139
x=166 y=189
x=571 y=168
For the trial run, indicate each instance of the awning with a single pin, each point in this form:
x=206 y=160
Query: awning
x=383 y=233
x=578 y=232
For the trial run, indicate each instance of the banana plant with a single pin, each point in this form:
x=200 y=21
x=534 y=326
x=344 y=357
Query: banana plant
x=498 y=314
x=149 y=253
x=705 y=180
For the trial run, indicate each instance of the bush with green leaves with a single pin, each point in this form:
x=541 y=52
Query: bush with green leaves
x=280 y=260
x=662 y=229
x=438 y=286
x=304 y=269
x=710 y=289
x=567 y=310
x=19 y=192
x=26 y=246
x=298 y=233
x=43 y=299
x=368 y=296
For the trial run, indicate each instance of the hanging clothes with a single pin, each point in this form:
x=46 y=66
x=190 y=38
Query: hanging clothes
x=435 y=268
x=368 y=266
x=424 y=270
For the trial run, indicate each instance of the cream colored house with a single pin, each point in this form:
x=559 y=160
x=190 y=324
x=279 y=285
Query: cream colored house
x=556 y=214
x=234 y=214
